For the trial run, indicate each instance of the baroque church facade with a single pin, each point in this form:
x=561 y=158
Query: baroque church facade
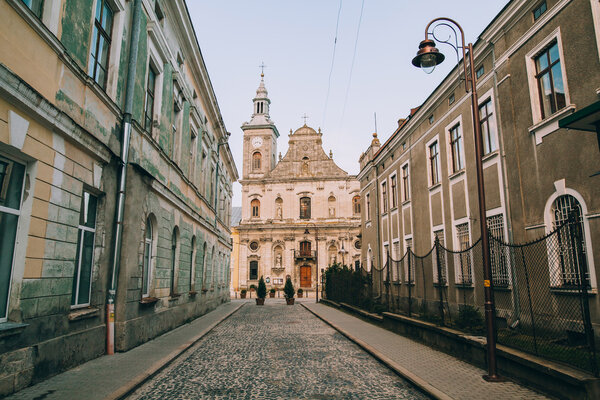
x=300 y=212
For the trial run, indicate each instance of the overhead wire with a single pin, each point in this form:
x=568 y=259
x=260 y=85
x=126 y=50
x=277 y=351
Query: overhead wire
x=352 y=65
x=337 y=24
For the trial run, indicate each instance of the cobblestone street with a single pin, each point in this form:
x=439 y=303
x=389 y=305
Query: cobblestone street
x=276 y=352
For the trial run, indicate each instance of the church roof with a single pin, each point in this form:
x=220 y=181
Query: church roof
x=306 y=159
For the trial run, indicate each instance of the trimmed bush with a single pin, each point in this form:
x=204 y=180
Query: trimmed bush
x=261 y=292
x=288 y=289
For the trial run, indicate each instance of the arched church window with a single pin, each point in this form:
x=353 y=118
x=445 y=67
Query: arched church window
x=356 y=205
x=305 y=208
x=255 y=207
x=256 y=159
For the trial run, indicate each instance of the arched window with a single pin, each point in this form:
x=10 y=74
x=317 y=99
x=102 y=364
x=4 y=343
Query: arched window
x=174 y=251
x=256 y=159
x=253 y=270
x=147 y=262
x=193 y=265
x=204 y=266
x=255 y=208
x=566 y=268
x=305 y=208
x=356 y=205
x=212 y=268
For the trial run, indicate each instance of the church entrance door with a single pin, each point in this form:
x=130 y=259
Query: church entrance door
x=305 y=279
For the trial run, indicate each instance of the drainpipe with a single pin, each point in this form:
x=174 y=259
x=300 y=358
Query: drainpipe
x=119 y=212
x=378 y=232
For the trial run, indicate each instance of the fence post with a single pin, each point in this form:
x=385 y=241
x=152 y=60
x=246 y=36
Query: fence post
x=439 y=272
x=409 y=254
x=388 y=283
x=577 y=246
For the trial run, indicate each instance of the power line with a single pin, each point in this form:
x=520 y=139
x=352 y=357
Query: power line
x=352 y=65
x=337 y=24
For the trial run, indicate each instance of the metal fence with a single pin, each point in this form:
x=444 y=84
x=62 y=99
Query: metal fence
x=540 y=291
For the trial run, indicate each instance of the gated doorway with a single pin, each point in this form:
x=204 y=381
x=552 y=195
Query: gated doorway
x=305 y=278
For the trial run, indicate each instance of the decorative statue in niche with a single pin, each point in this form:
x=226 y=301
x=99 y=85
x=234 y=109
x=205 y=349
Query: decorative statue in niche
x=278 y=260
x=305 y=168
x=332 y=259
x=279 y=213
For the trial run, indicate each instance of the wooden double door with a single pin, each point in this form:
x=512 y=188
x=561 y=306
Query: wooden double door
x=305 y=276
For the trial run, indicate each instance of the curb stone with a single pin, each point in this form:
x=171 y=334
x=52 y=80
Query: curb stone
x=397 y=368
x=134 y=384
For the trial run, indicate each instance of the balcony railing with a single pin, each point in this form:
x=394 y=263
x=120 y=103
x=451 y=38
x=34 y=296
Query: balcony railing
x=305 y=255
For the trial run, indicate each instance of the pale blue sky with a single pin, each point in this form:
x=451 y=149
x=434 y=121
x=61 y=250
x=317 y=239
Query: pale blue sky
x=295 y=40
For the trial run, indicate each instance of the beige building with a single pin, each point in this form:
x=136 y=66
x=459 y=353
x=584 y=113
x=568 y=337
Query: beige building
x=77 y=80
x=300 y=212
x=536 y=70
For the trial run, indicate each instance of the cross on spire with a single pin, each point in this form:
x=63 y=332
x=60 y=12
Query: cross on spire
x=305 y=117
x=262 y=67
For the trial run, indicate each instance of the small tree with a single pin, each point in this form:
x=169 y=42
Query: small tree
x=261 y=292
x=288 y=289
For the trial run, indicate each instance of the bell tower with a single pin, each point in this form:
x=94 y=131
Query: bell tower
x=260 y=137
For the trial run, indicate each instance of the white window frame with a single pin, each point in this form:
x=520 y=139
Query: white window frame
x=13 y=211
x=545 y=126
x=436 y=280
x=560 y=190
x=458 y=278
x=430 y=182
x=81 y=232
x=490 y=95
x=412 y=266
x=405 y=190
x=457 y=121
x=394 y=192
x=150 y=243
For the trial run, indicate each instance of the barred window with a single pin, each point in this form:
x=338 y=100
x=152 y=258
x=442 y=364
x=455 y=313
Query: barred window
x=463 y=260
x=409 y=265
x=499 y=255
x=395 y=264
x=442 y=280
x=566 y=265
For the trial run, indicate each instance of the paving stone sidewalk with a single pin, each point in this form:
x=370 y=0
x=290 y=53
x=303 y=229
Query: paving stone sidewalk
x=441 y=375
x=110 y=377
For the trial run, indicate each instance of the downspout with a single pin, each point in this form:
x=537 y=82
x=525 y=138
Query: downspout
x=378 y=232
x=119 y=212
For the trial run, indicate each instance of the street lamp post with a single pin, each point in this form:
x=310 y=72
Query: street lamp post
x=427 y=58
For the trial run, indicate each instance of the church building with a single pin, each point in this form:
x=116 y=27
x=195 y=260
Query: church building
x=300 y=212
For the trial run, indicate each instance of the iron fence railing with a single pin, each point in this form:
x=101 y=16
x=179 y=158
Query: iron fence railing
x=541 y=292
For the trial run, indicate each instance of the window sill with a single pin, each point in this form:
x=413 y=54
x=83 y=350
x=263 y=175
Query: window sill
x=572 y=291
x=192 y=293
x=11 y=328
x=456 y=174
x=464 y=285
x=84 y=313
x=444 y=285
x=435 y=186
x=405 y=202
x=148 y=300
x=550 y=124
x=395 y=208
x=174 y=297
x=489 y=156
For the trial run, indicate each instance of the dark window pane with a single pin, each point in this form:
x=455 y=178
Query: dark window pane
x=87 y=214
x=87 y=256
x=11 y=183
x=8 y=232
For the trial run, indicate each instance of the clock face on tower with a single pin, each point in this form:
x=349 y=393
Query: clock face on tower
x=257 y=142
